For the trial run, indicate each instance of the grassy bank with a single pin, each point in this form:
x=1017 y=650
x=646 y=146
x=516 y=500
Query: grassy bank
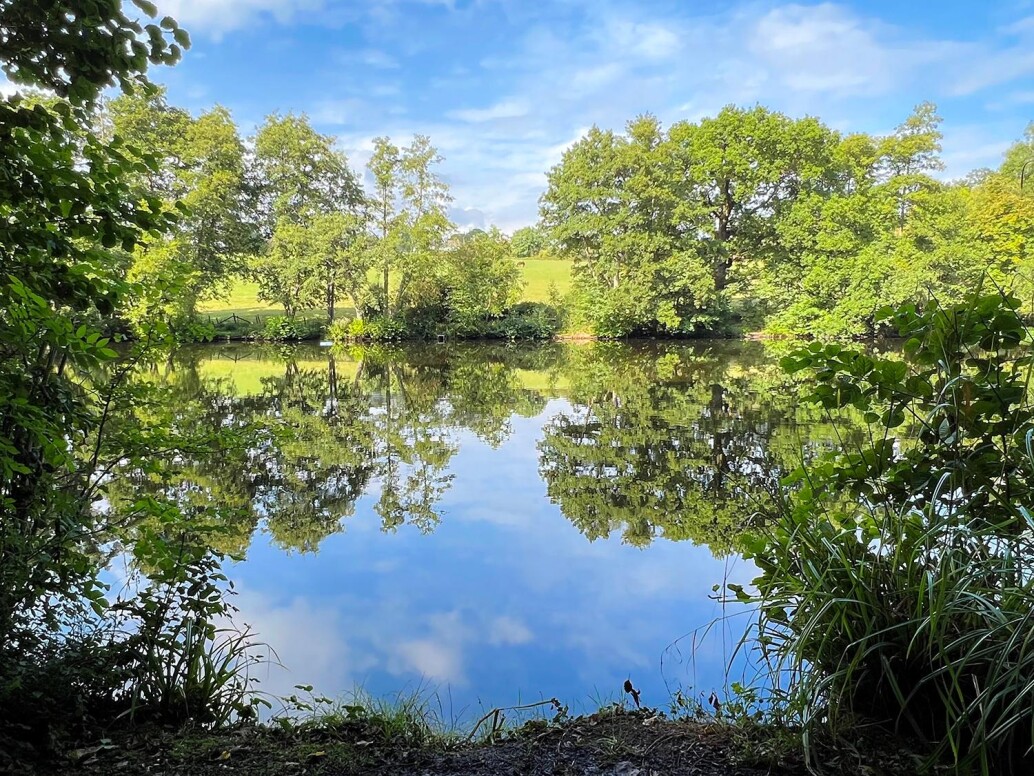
x=538 y=276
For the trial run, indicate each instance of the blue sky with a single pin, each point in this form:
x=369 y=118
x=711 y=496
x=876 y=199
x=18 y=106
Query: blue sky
x=503 y=86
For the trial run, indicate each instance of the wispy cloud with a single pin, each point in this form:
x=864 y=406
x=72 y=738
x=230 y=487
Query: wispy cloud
x=502 y=86
x=507 y=109
x=217 y=17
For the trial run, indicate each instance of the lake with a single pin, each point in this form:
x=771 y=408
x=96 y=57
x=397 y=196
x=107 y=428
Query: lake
x=494 y=525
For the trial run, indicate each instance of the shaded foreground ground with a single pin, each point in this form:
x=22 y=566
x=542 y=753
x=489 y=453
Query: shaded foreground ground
x=612 y=742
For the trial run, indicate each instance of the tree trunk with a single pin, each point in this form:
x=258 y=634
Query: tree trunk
x=722 y=235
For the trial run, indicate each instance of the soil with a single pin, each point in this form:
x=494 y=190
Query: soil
x=613 y=742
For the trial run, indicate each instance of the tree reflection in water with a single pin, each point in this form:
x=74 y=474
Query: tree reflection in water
x=649 y=441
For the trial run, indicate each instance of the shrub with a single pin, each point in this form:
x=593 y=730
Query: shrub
x=236 y=328
x=527 y=320
x=189 y=664
x=194 y=330
x=278 y=329
x=376 y=329
x=896 y=586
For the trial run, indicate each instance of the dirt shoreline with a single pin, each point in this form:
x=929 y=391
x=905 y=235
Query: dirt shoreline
x=611 y=742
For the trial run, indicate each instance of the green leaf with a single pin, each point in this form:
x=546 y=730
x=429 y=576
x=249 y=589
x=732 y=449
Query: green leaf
x=147 y=7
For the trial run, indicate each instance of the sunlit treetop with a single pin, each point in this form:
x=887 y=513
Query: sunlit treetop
x=76 y=48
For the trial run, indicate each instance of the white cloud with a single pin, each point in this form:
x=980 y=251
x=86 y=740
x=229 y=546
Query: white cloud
x=508 y=631
x=829 y=48
x=340 y=112
x=507 y=109
x=641 y=40
x=369 y=57
x=434 y=660
x=568 y=65
x=467 y=218
x=971 y=147
x=216 y=17
x=308 y=642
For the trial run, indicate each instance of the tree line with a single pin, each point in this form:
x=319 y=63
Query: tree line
x=749 y=220
x=755 y=220
x=285 y=208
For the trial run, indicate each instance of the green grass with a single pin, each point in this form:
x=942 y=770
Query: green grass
x=242 y=299
x=539 y=274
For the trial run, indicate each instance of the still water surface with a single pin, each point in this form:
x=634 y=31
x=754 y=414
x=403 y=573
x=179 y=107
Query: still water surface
x=495 y=525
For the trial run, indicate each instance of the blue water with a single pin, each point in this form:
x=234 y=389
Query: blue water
x=506 y=601
x=503 y=603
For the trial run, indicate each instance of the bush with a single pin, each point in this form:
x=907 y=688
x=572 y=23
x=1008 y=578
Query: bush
x=194 y=330
x=896 y=587
x=279 y=329
x=235 y=328
x=167 y=654
x=526 y=321
x=376 y=329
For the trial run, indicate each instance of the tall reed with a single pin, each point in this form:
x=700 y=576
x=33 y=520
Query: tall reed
x=896 y=586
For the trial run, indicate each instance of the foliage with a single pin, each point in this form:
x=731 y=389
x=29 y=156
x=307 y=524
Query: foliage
x=528 y=241
x=526 y=321
x=70 y=206
x=200 y=165
x=410 y=222
x=611 y=207
x=75 y=211
x=480 y=281
x=664 y=444
x=1020 y=154
x=747 y=220
x=310 y=207
x=376 y=329
x=782 y=223
x=298 y=173
x=894 y=587
x=279 y=329
x=190 y=664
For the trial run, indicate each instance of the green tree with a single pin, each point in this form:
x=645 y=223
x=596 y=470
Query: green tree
x=315 y=263
x=1019 y=161
x=385 y=165
x=888 y=233
x=612 y=206
x=200 y=164
x=738 y=173
x=528 y=241
x=312 y=209
x=410 y=221
x=298 y=173
x=480 y=280
x=910 y=154
x=70 y=208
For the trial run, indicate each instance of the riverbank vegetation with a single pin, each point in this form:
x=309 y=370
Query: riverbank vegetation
x=895 y=586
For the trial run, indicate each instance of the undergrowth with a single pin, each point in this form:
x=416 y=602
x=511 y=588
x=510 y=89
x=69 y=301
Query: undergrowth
x=896 y=587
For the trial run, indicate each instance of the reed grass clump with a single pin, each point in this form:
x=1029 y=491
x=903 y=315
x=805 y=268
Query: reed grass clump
x=897 y=584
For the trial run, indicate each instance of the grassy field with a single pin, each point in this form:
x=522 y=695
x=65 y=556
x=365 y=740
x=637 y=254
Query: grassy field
x=538 y=274
x=242 y=300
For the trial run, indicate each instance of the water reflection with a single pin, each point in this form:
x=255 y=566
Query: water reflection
x=680 y=442
x=450 y=490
